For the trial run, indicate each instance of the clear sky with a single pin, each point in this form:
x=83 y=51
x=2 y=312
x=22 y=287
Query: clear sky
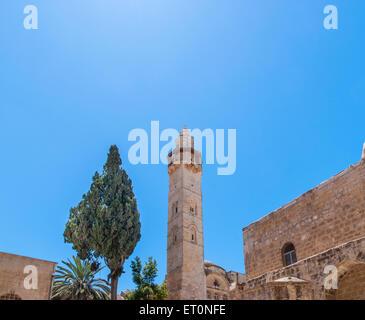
x=97 y=69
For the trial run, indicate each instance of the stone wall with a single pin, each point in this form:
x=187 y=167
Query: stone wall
x=329 y=215
x=309 y=277
x=12 y=275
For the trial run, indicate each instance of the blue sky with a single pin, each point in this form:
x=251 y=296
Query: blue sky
x=97 y=69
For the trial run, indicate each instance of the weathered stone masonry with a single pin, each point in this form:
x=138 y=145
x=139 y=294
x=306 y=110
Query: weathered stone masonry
x=12 y=275
x=329 y=215
x=347 y=258
x=326 y=226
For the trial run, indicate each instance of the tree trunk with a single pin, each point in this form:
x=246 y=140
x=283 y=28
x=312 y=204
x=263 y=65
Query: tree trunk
x=114 y=280
x=114 y=287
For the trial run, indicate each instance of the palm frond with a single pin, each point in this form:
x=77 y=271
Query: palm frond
x=77 y=281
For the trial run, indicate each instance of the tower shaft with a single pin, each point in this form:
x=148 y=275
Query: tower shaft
x=185 y=246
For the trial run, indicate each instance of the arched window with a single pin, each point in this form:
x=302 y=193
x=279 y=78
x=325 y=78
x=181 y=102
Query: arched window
x=216 y=296
x=289 y=254
x=216 y=284
x=208 y=295
x=193 y=210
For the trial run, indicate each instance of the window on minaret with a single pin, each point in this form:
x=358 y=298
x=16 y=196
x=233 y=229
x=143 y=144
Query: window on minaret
x=193 y=234
x=289 y=254
x=193 y=208
x=174 y=208
x=174 y=235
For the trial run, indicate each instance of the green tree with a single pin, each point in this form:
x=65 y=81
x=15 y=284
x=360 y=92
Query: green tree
x=105 y=224
x=144 y=280
x=76 y=281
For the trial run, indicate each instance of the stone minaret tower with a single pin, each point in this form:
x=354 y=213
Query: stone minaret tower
x=185 y=248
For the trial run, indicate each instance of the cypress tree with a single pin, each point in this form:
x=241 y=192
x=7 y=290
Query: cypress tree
x=105 y=224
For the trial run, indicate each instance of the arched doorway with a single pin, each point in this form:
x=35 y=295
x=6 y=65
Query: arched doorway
x=351 y=282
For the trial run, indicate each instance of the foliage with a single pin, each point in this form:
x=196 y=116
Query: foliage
x=76 y=281
x=106 y=222
x=144 y=280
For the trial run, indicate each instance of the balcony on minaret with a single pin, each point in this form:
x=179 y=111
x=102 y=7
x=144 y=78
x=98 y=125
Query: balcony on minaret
x=184 y=152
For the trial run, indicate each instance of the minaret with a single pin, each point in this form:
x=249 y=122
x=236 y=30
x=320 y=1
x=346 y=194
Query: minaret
x=185 y=248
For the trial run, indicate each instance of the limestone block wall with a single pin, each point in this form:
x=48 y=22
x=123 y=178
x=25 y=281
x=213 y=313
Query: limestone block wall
x=331 y=214
x=12 y=276
x=349 y=260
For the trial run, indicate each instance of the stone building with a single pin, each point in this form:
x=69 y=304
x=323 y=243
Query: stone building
x=311 y=248
x=221 y=285
x=24 y=278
